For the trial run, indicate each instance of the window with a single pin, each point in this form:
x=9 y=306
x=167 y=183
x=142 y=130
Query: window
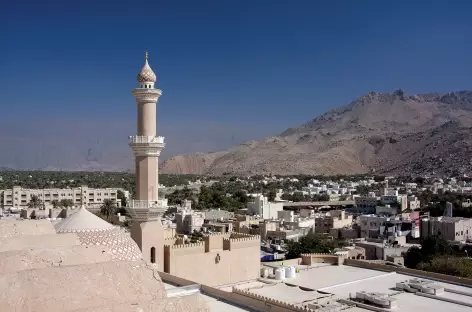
x=153 y=255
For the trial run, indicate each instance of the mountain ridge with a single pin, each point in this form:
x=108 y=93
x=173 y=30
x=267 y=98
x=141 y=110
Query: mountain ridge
x=381 y=132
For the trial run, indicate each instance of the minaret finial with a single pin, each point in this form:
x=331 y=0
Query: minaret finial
x=147 y=55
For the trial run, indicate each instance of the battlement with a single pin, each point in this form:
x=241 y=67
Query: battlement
x=242 y=237
x=182 y=246
x=309 y=259
x=216 y=234
x=268 y=300
x=318 y=254
x=241 y=240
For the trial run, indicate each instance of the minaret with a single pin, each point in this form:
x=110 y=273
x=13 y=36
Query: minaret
x=146 y=209
x=146 y=145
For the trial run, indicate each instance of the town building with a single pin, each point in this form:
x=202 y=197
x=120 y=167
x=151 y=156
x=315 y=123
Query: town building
x=19 y=198
x=262 y=207
x=334 y=219
x=451 y=229
x=188 y=221
x=367 y=202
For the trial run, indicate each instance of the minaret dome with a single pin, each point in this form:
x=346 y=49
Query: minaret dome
x=146 y=76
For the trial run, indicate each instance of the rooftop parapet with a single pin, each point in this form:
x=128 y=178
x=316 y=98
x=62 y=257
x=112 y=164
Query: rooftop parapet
x=309 y=259
x=293 y=307
x=182 y=246
x=240 y=237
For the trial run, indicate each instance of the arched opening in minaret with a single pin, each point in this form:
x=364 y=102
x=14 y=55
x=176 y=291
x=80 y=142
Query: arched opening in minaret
x=153 y=255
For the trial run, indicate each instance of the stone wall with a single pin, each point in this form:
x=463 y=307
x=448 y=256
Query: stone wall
x=220 y=259
x=309 y=259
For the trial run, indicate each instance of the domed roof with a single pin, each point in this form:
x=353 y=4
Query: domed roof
x=82 y=220
x=146 y=74
x=93 y=230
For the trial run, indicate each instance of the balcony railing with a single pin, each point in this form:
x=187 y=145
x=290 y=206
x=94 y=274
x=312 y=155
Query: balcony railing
x=146 y=139
x=146 y=204
x=145 y=210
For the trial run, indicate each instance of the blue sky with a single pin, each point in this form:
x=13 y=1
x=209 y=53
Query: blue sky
x=229 y=70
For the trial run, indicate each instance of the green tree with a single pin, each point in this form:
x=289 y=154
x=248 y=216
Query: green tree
x=413 y=257
x=121 y=197
x=311 y=243
x=35 y=202
x=108 y=208
x=55 y=203
x=66 y=203
x=271 y=195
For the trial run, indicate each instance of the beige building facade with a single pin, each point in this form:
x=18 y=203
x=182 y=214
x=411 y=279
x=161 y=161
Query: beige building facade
x=335 y=219
x=18 y=197
x=452 y=229
x=219 y=259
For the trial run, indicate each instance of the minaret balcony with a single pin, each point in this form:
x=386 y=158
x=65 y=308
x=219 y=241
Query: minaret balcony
x=145 y=139
x=146 y=210
x=146 y=95
x=146 y=145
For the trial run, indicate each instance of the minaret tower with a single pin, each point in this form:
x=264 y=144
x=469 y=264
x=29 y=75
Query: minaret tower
x=146 y=209
x=146 y=145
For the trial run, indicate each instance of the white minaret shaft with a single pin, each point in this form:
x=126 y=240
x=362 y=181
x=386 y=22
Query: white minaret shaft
x=146 y=145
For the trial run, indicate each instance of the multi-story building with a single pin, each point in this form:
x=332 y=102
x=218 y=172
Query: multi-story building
x=366 y=202
x=452 y=229
x=19 y=198
x=370 y=225
x=334 y=219
x=396 y=199
x=188 y=221
x=413 y=203
x=262 y=207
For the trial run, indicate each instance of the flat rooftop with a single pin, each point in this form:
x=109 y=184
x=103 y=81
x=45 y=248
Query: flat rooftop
x=214 y=304
x=321 y=281
x=217 y=305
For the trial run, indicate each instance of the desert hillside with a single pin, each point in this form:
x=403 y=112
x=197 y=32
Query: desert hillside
x=383 y=132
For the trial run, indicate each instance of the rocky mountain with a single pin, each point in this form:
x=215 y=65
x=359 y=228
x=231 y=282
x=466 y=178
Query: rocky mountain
x=392 y=133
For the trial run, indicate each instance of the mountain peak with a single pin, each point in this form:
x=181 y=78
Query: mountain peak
x=389 y=132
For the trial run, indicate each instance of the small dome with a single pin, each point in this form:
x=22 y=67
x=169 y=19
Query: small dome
x=146 y=74
x=82 y=220
x=92 y=230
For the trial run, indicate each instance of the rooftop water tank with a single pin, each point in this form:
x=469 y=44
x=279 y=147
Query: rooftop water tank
x=290 y=272
x=280 y=274
x=264 y=272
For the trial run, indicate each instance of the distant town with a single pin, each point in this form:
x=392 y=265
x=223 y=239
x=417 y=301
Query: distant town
x=382 y=216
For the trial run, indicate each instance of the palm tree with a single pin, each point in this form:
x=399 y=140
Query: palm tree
x=35 y=202
x=108 y=208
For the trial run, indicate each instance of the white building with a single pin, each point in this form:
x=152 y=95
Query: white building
x=262 y=207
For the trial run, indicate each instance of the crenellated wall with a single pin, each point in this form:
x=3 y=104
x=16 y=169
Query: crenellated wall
x=220 y=259
x=276 y=305
x=241 y=240
x=309 y=259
